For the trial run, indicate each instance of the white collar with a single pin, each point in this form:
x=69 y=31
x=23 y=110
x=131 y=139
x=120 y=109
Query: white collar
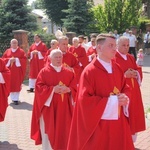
x=14 y=50
x=106 y=65
x=124 y=56
x=37 y=43
x=58 y=69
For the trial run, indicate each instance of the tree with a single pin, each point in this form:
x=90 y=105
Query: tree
x=38 y=4
x=117 y=14
x=147 y=4
x=54 y=10
x=79 y=16
x=15 y=15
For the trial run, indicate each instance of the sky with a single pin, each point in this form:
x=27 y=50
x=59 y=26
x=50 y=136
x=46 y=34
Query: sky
x=30 y=1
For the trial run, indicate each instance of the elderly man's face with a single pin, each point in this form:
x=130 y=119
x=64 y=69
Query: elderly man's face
x=54 y=45
x=14 y=44
x=75 y=43
x=63 y=45
x=123 y=46
x=56 y=59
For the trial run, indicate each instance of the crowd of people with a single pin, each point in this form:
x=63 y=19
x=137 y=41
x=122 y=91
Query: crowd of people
x=86 y=95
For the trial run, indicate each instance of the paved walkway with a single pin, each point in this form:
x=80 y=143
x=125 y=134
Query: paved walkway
x=15 y=130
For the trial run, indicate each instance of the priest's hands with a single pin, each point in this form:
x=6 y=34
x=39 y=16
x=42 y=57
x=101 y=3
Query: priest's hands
x=122 y=99
x=12 y=60
x=61 y=89
x=131 y=73
x=93 y=55
x=35 y=52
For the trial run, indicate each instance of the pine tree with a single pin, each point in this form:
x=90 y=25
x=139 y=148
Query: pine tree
x=79 y=18
x=54 y=10
x=15 y=15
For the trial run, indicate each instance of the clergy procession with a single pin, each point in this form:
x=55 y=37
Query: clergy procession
x=83 y=95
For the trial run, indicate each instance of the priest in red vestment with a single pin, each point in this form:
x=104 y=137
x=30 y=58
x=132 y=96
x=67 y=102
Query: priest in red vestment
x=15 y=59
x=91 y=52
x=53 y=104
x=79 y=52
x=4 y=88
x=69 y=60
x=36 y=54
x=101 y=111
x=54 y=45
x=133 y=75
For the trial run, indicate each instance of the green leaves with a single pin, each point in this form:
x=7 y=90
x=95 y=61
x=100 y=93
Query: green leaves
x=117 y=14
x=15 y=15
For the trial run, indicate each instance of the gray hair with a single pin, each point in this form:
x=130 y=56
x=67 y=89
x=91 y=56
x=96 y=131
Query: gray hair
x=55 y=51
x=14 y=40
x=121 y=38
x=54 y=41
x=62 y=38
x=75 y=39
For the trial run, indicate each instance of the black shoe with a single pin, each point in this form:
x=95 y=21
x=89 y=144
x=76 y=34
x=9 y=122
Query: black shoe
x=16 y=103
x=30 y=90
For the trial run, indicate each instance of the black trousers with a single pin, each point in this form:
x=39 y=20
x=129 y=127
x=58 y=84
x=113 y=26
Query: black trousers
x=132 y=51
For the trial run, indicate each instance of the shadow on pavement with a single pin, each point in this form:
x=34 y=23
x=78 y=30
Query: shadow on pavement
x=6 y=146
x=146 y=61
x=146 y=72
x=22 y=105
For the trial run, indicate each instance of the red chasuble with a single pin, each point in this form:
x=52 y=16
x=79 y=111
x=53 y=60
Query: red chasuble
x=4 y=89
x=17 y=73
x=36 y=64
x=88 y=130
x=136 y=119
x=58 y=115
x=91 y=51
x=71 y=61
x=80 y=55
x=46 y=59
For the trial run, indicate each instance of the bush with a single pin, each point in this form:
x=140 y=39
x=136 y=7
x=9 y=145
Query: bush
x=142 y=23
x=45 y=37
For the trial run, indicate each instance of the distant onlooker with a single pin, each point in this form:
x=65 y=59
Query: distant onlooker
x=116 y=35
x=140 y=57
x=147 y=43
x=132 y=44
x=126 y=33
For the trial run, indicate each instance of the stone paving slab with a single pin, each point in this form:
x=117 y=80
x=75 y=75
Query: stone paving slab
x=15 y=130
x=143 y=138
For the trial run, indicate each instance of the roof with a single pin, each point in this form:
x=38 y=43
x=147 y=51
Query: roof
x=39 y=12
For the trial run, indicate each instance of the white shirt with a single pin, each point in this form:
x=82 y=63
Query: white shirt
x=126 y=34
x=116 y=36
x=147 y=37
x=132 y=40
